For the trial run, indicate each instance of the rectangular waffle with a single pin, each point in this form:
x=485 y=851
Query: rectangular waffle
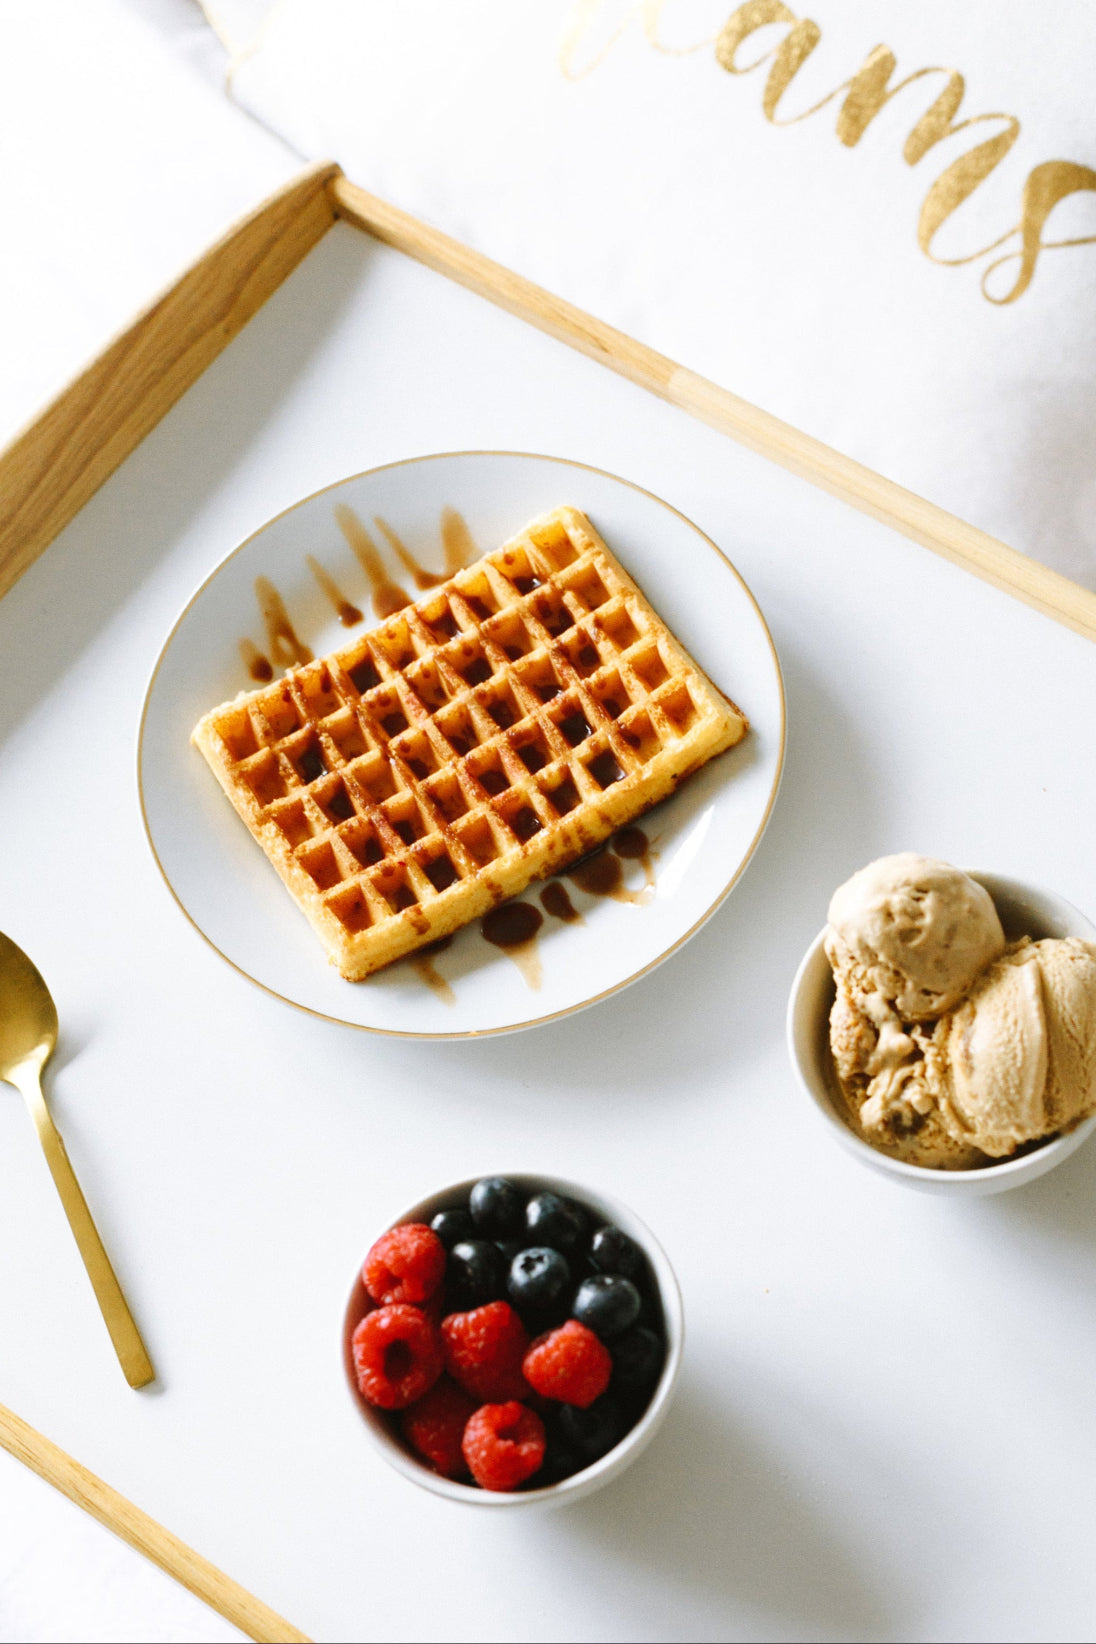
x=501 y=727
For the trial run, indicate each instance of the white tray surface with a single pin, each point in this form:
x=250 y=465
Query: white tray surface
x=883 y=1396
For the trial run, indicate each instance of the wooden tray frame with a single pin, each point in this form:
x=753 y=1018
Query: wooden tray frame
x=62 y=457
x=51 y=469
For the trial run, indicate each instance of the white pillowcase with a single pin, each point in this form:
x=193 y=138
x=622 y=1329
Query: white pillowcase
x=637 y=159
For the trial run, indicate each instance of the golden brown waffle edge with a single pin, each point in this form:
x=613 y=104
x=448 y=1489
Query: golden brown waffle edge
x=489 y=734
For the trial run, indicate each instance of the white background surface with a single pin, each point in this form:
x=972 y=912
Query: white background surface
x=883 y=1429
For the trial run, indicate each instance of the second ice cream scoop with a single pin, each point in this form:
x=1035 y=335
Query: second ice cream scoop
x=1017 y=1059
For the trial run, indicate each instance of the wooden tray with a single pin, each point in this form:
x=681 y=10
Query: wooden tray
x=50 y=470
x=61 y=459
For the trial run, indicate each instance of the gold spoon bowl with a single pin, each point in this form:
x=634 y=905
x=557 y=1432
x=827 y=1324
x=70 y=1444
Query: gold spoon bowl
x=28 y=1037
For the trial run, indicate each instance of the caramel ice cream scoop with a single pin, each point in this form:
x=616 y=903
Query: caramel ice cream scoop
x=917 y=932
x=952 y=1048
x=1017 y=1058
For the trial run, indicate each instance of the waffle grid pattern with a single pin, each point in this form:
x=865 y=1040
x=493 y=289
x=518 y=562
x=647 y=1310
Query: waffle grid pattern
x=500 y=727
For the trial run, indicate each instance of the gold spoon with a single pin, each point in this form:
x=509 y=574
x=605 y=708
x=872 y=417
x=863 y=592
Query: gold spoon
x=28 y=1035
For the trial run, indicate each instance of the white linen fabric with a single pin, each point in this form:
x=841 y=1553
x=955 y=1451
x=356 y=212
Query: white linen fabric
x=870 y=246
x=120 y=161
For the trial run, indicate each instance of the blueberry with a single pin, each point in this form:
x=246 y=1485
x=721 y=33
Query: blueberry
x=560 y=1460
x=581 y=1270
x=510 y=1248
x=612 y=1251
x=562 y=1456
x=650 y=1313
x=607 y=1304
x=554 y=1221
x=591 y=1433
x=497 y=1208
x=453 y=1226
x=637 y=1357
x=539 y=1277
x=475 y=1274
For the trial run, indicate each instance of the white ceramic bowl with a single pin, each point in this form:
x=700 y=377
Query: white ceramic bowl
x=382 y=1427
x=1024 y=910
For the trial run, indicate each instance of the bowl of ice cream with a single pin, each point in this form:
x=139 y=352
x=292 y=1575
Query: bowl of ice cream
x=513 y=1341
x=944 y=1025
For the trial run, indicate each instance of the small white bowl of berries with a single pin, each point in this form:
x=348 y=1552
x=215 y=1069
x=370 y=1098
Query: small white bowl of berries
x=514 y=1341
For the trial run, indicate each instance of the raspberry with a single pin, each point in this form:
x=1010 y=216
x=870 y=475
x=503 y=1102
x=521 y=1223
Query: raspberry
x=484 y=1350
x=405 y=1265
x=503 y=1445
x=434 y=1426
x=397 y=1356
x=569 y=1364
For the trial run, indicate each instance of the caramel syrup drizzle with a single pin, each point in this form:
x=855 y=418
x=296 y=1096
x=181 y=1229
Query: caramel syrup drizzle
x=420 y=576
x=282 y=642
x=388 y=596
x=632 y=845
x=555 y=900
x=259 y=667
x=459 y=548
x=422 y=963
x=603 y=875
x=457 y=542
x=514 y=928
x=347 y=614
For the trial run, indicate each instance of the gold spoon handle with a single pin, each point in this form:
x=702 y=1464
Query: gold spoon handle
x=135 y=1362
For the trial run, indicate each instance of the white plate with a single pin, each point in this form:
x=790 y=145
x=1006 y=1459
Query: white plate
x=702 y=837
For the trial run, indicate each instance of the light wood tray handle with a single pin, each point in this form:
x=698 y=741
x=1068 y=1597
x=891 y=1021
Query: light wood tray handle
x=872 y=493
x=195 y=1573
x=50 y=470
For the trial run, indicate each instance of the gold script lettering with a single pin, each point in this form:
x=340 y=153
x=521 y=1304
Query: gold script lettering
x=580 y=23
x=868 y=91
x=652 y=17
x=1046 y=185
x=797 y=44
x=786 y=58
